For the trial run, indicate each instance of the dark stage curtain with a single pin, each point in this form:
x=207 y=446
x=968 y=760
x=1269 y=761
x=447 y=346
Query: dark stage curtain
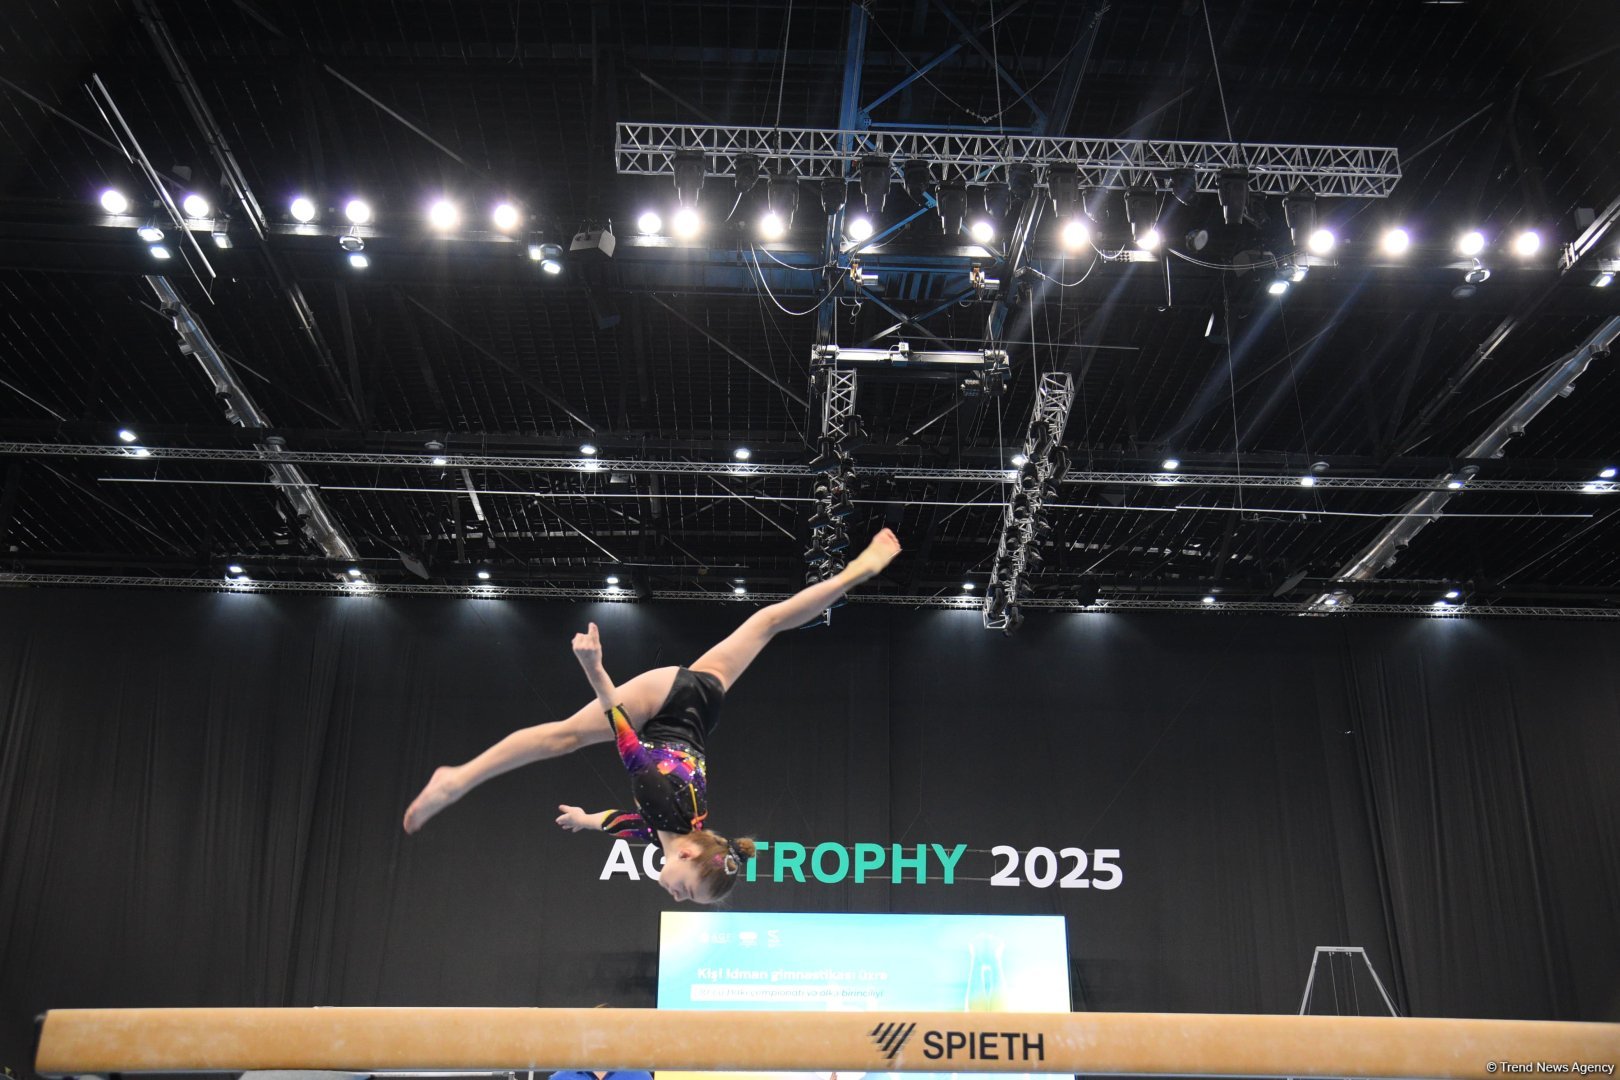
x=200 y=799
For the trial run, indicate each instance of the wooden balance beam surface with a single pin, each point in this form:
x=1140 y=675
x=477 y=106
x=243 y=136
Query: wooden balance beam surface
x=365 y=1040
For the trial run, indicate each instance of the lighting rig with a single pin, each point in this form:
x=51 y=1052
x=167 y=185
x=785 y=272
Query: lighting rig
x=834 y=468
x=1023 y=525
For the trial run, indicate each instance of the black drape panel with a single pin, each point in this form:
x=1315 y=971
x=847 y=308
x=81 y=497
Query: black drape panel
x=200 y=798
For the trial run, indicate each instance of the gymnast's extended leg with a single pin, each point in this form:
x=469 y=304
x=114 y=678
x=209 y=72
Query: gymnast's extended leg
x=729 y=659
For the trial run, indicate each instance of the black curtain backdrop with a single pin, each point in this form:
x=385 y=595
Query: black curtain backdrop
x=200 y=799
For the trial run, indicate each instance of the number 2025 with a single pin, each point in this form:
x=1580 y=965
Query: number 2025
x=1041 y=866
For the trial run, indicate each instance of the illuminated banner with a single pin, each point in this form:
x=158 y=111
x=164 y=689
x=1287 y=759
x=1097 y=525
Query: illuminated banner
x=831 y=863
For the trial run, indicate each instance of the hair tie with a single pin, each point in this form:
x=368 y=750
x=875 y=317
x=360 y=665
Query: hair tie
x=733 y=860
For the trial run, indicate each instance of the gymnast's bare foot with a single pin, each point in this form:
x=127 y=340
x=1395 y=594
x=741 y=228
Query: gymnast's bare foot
x=441 y=791
x=878 y=554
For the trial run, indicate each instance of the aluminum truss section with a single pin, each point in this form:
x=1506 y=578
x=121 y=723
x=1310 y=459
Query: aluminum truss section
x=985 y=370
x=305 y=498
x=519 y=463
x=1021 y=516
x=1355 y=172
x=951 y=601
x=835 y=387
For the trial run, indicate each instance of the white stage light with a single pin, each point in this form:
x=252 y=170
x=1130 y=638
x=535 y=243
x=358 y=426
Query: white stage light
x=150 y=233
x=613 y=579
x=483 y=575
x=1396 y=241
x=235 y=568
x=354 y=571
x=159 y=252
x=1019 y=461
x=1209 y=599
x=860 y=229
x=1170 y=464
x=771 y=226
x=127 y=435
x=1278 y=287
x=1075 y=235
x=1150 y=239
x=649 y=223
x=588 y=449
x=982 y=231
x=687 y=223
x=113 y=201
x=1307 y=481
x=443 y=215
x=968 y=586
x=359 y=260
x=1321 y=242
x=742 y=453
x=1527 y=243
x=195 y=206
x=1607 y=474
x=303 y=210
x=1471 y=242
x=739 y=590
x=358 y=211
x=505 y=216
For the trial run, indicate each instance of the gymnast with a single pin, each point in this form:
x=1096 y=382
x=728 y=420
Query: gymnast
x=660 y=720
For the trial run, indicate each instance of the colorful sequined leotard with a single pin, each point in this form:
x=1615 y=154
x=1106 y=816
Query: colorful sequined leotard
x=667 y=778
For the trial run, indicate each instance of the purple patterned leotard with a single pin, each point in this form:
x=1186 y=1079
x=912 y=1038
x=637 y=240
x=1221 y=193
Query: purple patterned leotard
x=665 y=762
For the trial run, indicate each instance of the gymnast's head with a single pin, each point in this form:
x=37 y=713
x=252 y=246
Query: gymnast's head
x=705 y=867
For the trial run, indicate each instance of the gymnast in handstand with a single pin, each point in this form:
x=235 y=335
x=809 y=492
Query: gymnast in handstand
x=660 y=720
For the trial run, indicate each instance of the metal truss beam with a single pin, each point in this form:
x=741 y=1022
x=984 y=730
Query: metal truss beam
x=1355 y=172
x=610 y=595
x=1053 y=399
x=519 y=463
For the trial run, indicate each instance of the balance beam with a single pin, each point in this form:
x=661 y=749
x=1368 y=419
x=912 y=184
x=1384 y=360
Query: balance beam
x=76 y=1042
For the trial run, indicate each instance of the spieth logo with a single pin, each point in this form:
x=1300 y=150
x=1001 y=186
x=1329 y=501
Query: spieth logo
x=891 y=1038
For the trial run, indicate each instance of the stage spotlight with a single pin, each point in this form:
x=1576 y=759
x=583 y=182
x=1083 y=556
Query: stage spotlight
x=745 y=173
x=1019 y=461
x=834 y=193
x=1150 y=240
x=1171 y=464
x=221 y=232
x=1527 y=243
x=113 y=201
x=1471 y=242
x=551 y=266
x=1307 y=480
x=1396 y=241
x=1142 y=211
x=1183 y=186
x=303 y=210
x=859 y=229
x=443 y=215
x=782 y=197
x=588 y=449
x=505 y=216
x=771 y=226
x=917 y=178
x=1209 y=600
x=613 y=579
x=649 y=223
x=1452 y=594
x=742 y=453
x=359 y=260
x=1063 y=184
x=195 y=206
x=875 y=180
x=141 y=451
x=968 y=586
x=150 y=233
x=1232 y=189
x=358 y=211
x=1075 y=234
x=687 y=223
x=1607 y=474
x=127 y=435
x=1297 y=274
x=1278 y=286
x=483 y=575
x=739 y=590
x=1603 y=280
x=441 y=460
x=1321 y=241
x=952 y=208
x=689 y=170
x=159 y=252
x=354 y=571
x=982 y=231
x=997 y=200
x=235 y=568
